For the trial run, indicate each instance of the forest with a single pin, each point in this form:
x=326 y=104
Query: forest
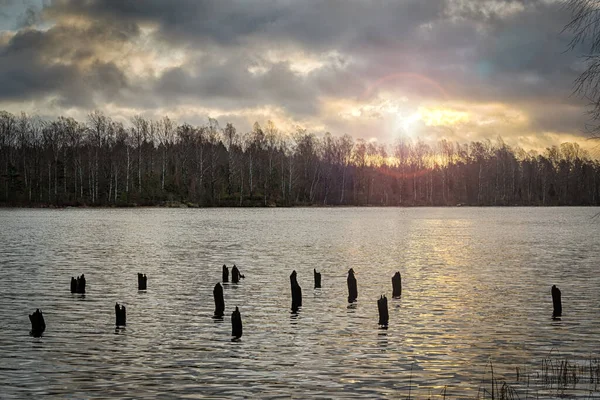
x=103 y=162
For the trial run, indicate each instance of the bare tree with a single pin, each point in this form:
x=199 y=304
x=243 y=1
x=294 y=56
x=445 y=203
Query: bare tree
x=165 y=140
x=63 y=162
x=585 y=27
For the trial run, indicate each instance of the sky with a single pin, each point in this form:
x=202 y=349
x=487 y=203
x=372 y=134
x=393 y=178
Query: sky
x=461 y=70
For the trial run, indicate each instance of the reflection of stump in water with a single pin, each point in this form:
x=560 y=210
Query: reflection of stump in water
x=120 y=314
x=78 y=285
x=219 y=301
x=317 y=279
x=556 y=302
x=236 y=324
x=384 y=317
x=396 y=285
x=38 y=325
x=225 y=273
x=296 y=292
x=142 y=282
x=352 y=289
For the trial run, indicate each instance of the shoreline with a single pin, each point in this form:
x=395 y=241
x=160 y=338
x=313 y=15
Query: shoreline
x=315 y=206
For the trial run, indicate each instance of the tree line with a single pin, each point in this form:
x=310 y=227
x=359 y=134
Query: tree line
x=103 y=162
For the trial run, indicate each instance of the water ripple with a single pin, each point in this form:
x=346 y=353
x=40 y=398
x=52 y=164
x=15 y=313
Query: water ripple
x=475 y=287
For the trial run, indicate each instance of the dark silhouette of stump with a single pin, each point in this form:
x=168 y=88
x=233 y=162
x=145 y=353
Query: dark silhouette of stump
x=219 y=301
x=556 y=302
x=38 y=325
x=317 y=279
x=225 y=273
x=384 y=316
x=296 y=292
x=78 y=285
x=397 y=285
x=235 y=274
x=352 y=289
x=121 y=317
x=142 y=282
x=236 y=324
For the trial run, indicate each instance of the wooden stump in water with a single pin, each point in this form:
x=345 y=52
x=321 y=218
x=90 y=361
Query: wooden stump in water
x=556 y=302
x=397 y=285
x=236 y=324
x=142 y=282
x=384 y=316
x=78 y=285
x=235 y=274
x=121 y=317
x=225 y=273
x=219 y=301
x=38 y=325
x=352 y=289
x=296 y=292
x=317 y=276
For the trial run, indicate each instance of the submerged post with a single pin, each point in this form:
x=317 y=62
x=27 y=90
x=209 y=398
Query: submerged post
x=235 y=274
x=79 y=284
x=236 y=324
x=296 y=292
x=556 y=302
x=317 y=278
x=121 y=318
x=219 y=301
x=225 y=273
x=397 y=285
x=142 y=282
x=382 y=306
x=38 y=325
x=352 y=289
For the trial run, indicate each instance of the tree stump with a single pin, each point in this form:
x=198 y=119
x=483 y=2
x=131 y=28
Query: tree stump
x=352 y=289
x=296 y=292
x=397 y=285
x=225 y=273
x=317 y=276
x=556 y=302
x=38 y=325
x=384 y=316
x=121 y=317
x=236 y=324
x=219 y=301
x=142 y=282
x=235 y=274
x=79 y=284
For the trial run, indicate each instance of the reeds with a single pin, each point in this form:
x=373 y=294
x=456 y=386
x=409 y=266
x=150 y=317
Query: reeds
x=553 y=378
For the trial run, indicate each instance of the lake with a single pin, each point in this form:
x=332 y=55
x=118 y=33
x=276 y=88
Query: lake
x=476 y=291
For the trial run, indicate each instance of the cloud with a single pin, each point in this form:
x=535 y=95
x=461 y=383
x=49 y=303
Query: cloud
x=346 y=66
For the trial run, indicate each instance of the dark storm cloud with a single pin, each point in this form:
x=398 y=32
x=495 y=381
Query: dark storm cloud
x=315 y=23
x=220 y=84
x=62 y=62
x=240 y=31
x=507 y=51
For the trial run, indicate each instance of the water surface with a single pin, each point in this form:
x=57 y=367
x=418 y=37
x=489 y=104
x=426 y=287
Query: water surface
x=476 y=287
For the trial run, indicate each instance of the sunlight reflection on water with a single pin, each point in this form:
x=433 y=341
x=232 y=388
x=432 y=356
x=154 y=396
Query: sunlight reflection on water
x=476 y=286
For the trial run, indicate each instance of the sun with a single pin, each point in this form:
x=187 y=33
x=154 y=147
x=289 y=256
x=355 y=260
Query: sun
x=406 y=124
